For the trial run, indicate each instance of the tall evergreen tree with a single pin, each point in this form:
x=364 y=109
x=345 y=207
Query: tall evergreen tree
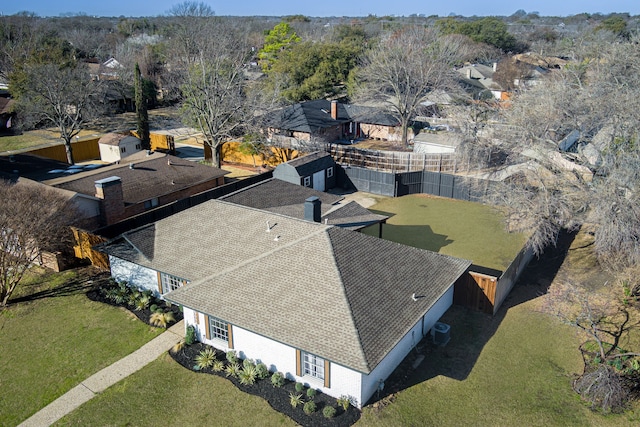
x=141 y=110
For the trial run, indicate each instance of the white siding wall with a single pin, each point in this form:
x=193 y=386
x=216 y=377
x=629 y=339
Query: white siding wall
x=392 y=360
x=280 y=357
x=136 y=275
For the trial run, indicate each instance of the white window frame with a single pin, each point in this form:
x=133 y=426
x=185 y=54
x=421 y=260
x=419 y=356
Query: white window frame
x=307 y=181
x=151 y=203
x=330 y=172
x=218 y=329
x=138 y=146
x=169 y=283
x=123 y=149
x=312 y=366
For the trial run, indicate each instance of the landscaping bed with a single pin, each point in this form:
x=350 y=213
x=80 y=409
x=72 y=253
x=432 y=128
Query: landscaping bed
x=149 y=309
x=279 y=398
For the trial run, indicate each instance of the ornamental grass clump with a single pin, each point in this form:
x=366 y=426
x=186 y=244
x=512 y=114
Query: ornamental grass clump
x=295 y=400
x=248 y=375
x=233 y=370
x=205 y=358
x=162 y=319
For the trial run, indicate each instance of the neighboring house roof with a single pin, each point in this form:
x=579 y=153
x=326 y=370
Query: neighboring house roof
x=447 y=139
x=29 y=166
x=5 y=105
x=479 y=75
x=117 y=139
x=285 y=198
x=151 y=176
x=311 y=163
x=311 y=116
x=344 y=296
x=370 y=115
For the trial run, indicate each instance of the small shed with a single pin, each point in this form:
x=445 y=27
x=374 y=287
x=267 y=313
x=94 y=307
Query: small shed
x=316 y=170
x=116 y=146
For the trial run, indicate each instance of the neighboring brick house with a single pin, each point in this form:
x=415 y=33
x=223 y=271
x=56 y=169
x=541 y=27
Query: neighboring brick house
x=332 y=308
x=330 y=121
x=146 y=181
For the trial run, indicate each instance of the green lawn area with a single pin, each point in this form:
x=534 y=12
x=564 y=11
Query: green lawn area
x=452 y=227
x=35 y=138
x=51 y=344
x=164 y=393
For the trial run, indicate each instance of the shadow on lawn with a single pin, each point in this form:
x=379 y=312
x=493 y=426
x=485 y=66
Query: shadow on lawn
x=418 y=236
x=86 y=279
x=471 y=330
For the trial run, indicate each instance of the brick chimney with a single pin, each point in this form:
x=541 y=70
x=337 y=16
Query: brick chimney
x=334 y=110
x=112 y=206
x=312 y=209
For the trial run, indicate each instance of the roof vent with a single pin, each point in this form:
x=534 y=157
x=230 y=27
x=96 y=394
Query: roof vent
x=132 y=166
x=275 y=239
x=169 y=162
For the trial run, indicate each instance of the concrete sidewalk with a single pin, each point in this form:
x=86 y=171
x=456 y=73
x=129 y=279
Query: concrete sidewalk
x=105 y=378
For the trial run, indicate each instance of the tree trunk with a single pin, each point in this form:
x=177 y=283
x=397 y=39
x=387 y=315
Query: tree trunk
x=216 y=157
x=68 y=149
x=405 y=132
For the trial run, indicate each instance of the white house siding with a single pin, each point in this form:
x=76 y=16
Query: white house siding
x=371 y=382
x=280 y=357
x=136 y=275
x=109 y=153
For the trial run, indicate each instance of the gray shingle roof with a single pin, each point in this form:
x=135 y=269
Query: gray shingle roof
x=339 y=294
x=152 y=176
x=311 y=163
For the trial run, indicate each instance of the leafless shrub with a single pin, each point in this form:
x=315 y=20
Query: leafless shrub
x=603 y=388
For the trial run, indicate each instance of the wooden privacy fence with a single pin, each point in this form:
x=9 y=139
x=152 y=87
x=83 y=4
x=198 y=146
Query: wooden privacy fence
x=83 y=150
x=392 y=161
x=83 y=248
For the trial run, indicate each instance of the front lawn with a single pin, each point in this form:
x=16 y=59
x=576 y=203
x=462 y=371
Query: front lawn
x=452 y=227
x=165 y=394
x=56 y=340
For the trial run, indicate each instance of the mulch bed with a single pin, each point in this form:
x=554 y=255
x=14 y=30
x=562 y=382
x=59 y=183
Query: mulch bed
x=277 y=397
x=144 y=315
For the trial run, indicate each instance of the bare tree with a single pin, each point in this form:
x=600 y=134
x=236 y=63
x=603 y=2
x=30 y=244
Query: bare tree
x=33 y=218
x=213 y=99
x=66 y=98
x=405 y=68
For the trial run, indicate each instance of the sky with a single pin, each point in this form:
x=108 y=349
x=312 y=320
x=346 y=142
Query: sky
x=325 y=7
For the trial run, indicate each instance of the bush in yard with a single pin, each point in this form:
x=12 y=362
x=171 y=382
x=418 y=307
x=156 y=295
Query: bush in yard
x=329 y=412
x=309 y=407
x=232 y=357
x=248 y=362
x=142 y=302
x=161 y=319
x=344 y=402
x=262 y=371
x=232 y=370
x=153 y=308
x=205 y=358
x=277 y=379
x=248 y=375
x=190 y=334
x=218 y=366
x=299 y=387
x=311 y=393
x=295 y=399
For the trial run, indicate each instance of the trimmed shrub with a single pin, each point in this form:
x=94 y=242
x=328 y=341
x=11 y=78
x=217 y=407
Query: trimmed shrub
x=309 y=407
x=153 y=308
x=299 y=387
x=277 y=379
x=262 y=371
x=295 y=399
x=190 y=335
x=205 y=358
x=248 y=363
x=311 y=393
x=329 y=412
x=232 y=357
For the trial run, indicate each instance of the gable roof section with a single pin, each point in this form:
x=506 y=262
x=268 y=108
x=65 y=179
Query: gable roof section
x=151 y=176
x=311 y=163
x=282 y=197
x=370 y=115
x=353 y=291
x=307 y=117
x=116 y=139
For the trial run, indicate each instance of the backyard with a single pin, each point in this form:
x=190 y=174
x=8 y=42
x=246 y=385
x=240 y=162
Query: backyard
x=514 y=368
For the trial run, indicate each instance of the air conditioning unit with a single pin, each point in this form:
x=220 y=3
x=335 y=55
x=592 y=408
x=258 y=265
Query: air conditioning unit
x=440 y=333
